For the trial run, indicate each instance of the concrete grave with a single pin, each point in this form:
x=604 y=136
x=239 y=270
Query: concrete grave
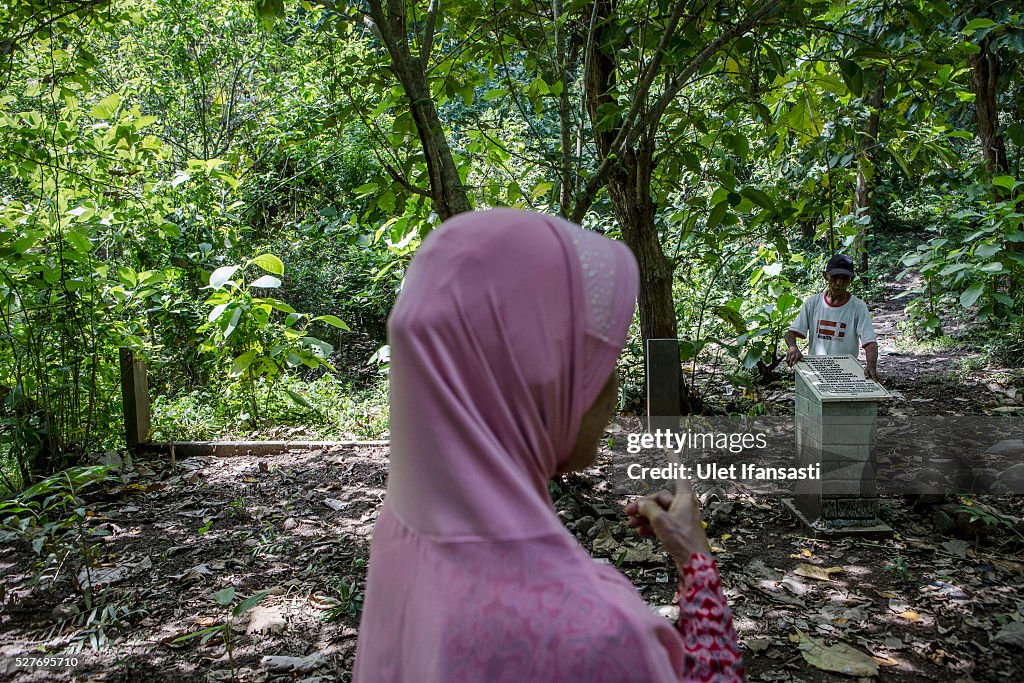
x=836 y=411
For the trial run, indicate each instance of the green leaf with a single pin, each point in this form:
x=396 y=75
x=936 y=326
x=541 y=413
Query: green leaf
x=758 y=197
x=689 y=349
x=217 y=311
x=206 y=633
x=717 y=214
x=976 y=24
x=853 y=76
x=1015 y=133
x=279 y=305
x=127 y=277
x=266 y=282
x=298 y=398
x=986 y=250
x=151 y=277
x=899 y=160
x=269 y=9
x=953 y=268
x=368 y=188
x=219 y=277
x=764 y=113
x=79 y=241
x=247 y=604
x=540 y=190
x=105 y=108
x=233 y=323
x=224 y=596
x=321 y=346
x=242 y=363
x=1006 y=181
x=971 y=294
x=270 y=263
x=333 y=321
x=732 y=317
x=992 y=267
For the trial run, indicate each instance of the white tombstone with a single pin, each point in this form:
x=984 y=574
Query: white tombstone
x=836 y=413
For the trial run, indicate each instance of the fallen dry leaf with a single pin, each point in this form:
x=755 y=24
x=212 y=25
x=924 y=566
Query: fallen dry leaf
x=1011 y=635
x=795 y=587
x=757 y=644
x=839 y=658
x=811 y=571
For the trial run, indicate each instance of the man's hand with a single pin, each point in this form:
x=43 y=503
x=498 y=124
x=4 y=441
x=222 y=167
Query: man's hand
x=675 y=520
x=793 y=355
x=871 y=356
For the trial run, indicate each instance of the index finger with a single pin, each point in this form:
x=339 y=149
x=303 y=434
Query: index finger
x=678 y=459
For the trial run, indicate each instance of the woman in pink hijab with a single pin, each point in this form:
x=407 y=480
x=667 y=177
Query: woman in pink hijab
x=503 y=348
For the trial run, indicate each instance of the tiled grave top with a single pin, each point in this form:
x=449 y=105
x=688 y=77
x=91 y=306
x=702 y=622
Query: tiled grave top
x=839 y=378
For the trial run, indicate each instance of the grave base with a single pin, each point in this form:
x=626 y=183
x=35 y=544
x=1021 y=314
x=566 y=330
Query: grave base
x=819 y=529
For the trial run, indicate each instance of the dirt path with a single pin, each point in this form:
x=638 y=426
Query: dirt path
x=929 y=382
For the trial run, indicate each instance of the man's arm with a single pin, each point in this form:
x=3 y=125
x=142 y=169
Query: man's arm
x=793 y=355
x=871 y=354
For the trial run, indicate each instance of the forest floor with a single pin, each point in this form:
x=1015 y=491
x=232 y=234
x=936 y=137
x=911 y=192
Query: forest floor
x=942 y=600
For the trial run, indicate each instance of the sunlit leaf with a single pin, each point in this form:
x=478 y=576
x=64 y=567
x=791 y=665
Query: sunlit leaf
x=270 y=263
x=242 y=363
x=219 y=277
x=266 y=282
x=333 y=321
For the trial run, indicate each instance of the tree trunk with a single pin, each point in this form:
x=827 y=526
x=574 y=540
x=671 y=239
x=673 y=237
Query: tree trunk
x=985 y=68
x=629 y=187
x=448 y=195
x=566 y=174
x=984 y=74
x=863 y=195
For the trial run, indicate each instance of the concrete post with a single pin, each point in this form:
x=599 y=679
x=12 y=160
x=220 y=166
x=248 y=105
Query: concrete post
x=664 y=373
x=135 y=397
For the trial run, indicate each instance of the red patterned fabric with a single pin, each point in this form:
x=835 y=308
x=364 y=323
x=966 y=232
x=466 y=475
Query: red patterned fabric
x=705 y=622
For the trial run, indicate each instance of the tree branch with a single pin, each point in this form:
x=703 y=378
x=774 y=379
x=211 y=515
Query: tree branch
x=428 y=34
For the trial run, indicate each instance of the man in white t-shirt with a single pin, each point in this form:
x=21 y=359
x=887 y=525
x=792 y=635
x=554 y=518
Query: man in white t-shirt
x=837 y=322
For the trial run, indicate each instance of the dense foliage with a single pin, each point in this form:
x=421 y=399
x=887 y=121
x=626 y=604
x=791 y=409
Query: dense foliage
x=233 y=190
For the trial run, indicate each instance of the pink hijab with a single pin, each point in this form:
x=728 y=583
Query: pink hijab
x=508 y=325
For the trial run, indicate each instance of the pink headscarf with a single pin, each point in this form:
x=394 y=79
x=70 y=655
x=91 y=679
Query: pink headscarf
x=508 y=325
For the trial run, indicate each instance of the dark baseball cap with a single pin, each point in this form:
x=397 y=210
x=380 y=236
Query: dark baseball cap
x=840 y=264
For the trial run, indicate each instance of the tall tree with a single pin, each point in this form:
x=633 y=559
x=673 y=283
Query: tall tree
x=392 y=23
x=627 y=134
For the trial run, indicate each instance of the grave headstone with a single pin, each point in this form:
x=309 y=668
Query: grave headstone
x=836 y=413
x=664 y=373
x=135 y=398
